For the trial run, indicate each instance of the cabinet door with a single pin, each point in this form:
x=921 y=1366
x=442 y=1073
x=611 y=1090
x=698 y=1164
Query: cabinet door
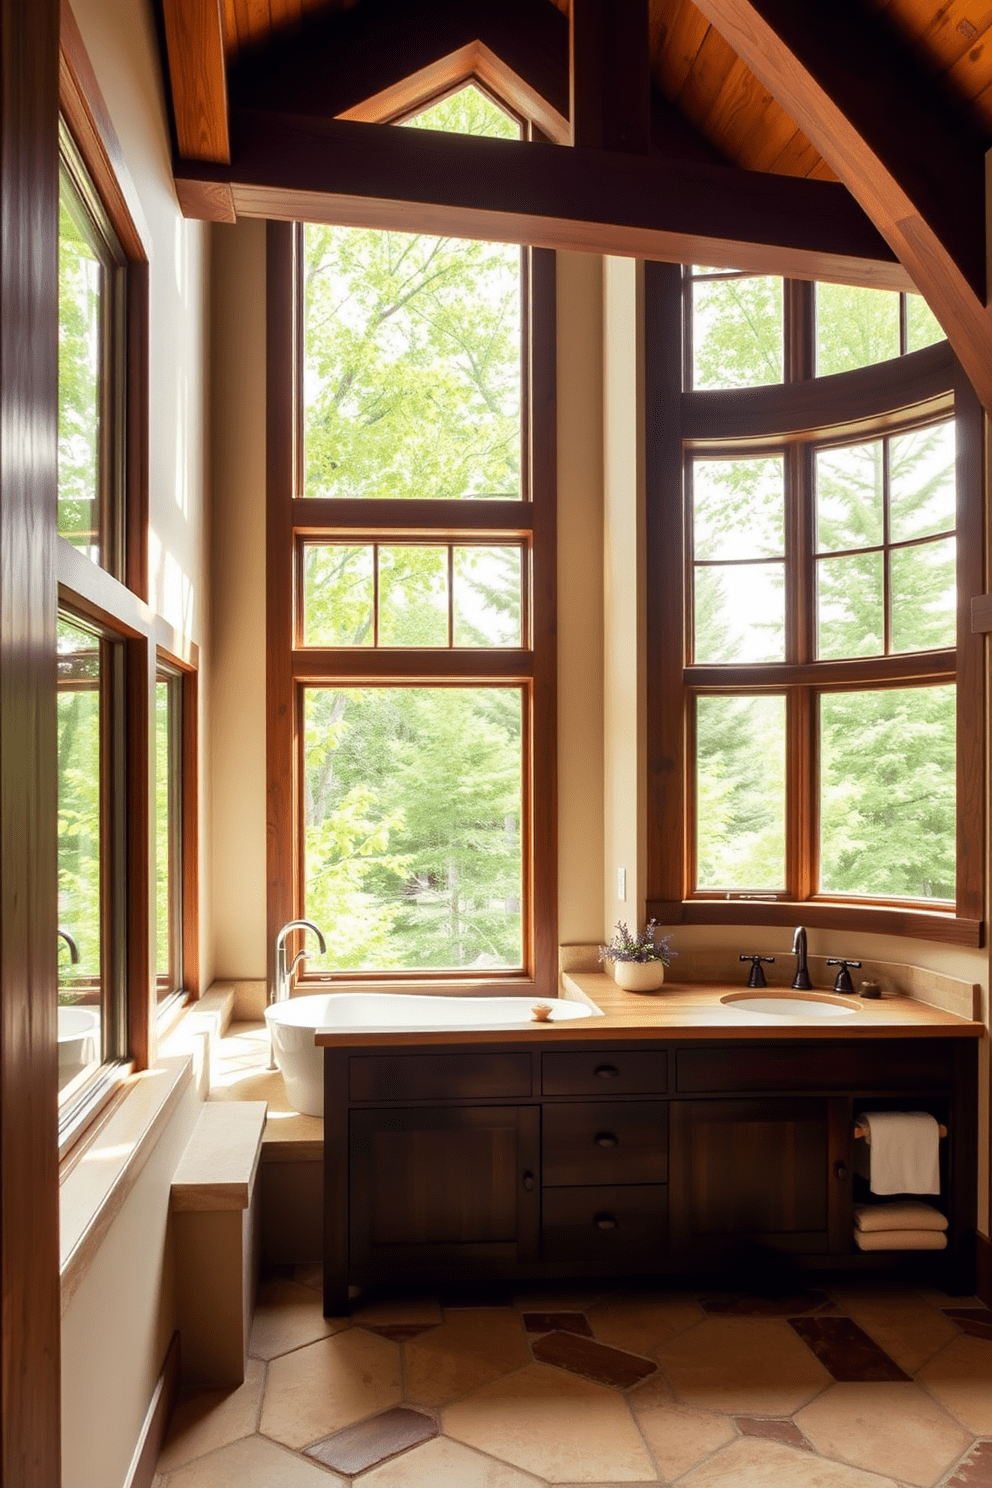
x=756 y=1173
x=439 y=1188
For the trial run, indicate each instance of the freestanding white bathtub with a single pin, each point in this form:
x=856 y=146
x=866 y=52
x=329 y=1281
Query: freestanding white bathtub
x=293 y=1024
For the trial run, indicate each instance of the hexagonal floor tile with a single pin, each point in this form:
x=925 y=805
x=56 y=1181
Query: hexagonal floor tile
x=443 y=1463
x=902 y=1324
x=471 y=1348
x=961 y=1379
x=253 y=1463
x=212 y=1419
x=287 y=1316
x=679 y=1436
x=328 y=1385
x=885 y=1427
x=643 y=1324
x=744 y=1366
x=558 y=1426
x=752 y=1463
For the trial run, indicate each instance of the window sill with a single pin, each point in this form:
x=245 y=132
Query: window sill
x=874 y=919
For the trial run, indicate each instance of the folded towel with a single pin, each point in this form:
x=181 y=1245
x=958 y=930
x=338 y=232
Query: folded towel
x=904 y=1152
x=900 y=1239
x=910 y=1214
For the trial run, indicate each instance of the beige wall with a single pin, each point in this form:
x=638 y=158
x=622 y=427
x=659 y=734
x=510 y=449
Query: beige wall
x=580 y=597
x=623 y=591
x=117 y=1327
x=237 y=673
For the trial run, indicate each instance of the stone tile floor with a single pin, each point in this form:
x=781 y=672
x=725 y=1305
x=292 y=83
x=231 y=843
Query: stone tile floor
x=851 y=1387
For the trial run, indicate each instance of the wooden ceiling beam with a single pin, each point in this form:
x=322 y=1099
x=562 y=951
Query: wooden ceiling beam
x=610 y=75
x=195 y=42
x=893 y=140
x=410 y=180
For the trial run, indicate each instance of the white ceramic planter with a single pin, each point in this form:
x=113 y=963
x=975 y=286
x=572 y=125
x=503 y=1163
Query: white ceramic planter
x=639 y=976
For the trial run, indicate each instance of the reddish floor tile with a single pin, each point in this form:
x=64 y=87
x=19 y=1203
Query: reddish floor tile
x=977 y=1322
x=557 y=1322
x=976 y=1469
x=846 y=1350
x=595 y=1361
x=772 y=1430
x=360 y=1447
x=746 y=1304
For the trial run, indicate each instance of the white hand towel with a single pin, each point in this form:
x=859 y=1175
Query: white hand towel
x=900 y=1239
x=910 y=1214
x=904 y=1152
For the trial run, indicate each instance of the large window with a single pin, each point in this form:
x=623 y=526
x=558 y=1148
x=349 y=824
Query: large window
x=821 y=551
x=92 y=908
x=413 y=610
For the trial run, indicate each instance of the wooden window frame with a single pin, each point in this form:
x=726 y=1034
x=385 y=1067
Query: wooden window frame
x=183 y=676
x=797 y=416
x=290 y=667
x=108 y=189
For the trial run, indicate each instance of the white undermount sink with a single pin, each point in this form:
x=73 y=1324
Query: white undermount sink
x=791 y=1004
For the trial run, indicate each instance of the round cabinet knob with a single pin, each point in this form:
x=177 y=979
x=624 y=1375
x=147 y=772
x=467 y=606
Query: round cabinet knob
x=840 y=1171
x=529 y=1182
x=607 y=1071
x=606 y=1139
x=605 y=1222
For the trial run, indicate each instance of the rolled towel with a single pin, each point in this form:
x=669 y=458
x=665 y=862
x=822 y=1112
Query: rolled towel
x=904 y=1152
x=909 y=1214
x=900 y=1239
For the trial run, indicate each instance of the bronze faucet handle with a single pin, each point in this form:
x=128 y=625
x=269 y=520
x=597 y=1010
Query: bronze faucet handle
x=843 y=982
x=757 y=976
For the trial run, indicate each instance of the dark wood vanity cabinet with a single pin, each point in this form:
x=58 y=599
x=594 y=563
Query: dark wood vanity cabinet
x=552 y=1160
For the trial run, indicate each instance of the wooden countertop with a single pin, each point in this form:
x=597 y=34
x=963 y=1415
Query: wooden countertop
x=681 y=1011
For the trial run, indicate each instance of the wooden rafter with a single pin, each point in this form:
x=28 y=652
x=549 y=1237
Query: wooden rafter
x=610 y=68
x=901 y=151
x=194 y=36
x=600 y=201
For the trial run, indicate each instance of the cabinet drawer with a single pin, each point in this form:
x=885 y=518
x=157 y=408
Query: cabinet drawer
x=605 y=1142
x=606 y=1072
x=605 y=1224
x=923 y=1065
x=406 y=1077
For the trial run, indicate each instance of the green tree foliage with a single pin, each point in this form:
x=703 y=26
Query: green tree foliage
x=887 y=755
x=79 y=803
x=737 y=332
x=80 y=307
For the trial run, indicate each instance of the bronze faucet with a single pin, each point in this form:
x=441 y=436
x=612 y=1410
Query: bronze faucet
x=801 y=981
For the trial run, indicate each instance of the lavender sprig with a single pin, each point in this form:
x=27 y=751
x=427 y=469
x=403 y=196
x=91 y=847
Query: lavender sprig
x=642 y=946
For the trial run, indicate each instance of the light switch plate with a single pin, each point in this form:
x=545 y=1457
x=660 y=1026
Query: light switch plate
x=621 y=884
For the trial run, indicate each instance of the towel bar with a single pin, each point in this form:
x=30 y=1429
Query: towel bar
x=862 y=1131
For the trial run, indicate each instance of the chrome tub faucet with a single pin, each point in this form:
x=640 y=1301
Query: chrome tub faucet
x=284 y=972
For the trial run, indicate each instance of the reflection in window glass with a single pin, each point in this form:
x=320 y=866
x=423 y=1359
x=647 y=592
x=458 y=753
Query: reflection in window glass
x=412 y=837
x=737 y=332
x=338 y=594
x=487 y=590
x=413 y=596
x=168 y=833
x=922 y=477
x=922 y=326
x=738 y=508
x=80 y=914
x=81 y=310
x=924 y=596
x=855 y=327
x=850 y=497
x=887 y=802
x=740 y=793
x=850 y=606
x=412 y=353
x=739 y=613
